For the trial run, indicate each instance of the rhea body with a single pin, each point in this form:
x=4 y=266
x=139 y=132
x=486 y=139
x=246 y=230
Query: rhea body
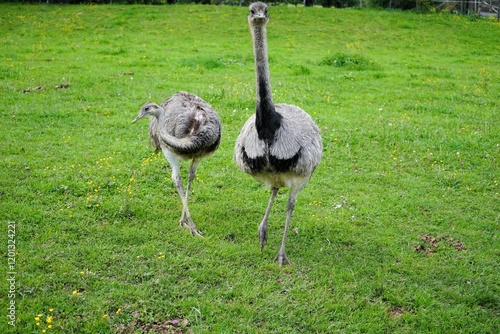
x=183 y=127
x=280 y=145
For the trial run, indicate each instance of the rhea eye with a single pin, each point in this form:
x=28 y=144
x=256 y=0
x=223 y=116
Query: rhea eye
x=252 y=11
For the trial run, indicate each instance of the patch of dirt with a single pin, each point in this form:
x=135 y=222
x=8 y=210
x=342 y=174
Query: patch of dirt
x=63 y=86
x=29 y=90
x=175 y=326
x=429 y=239
x=421 y=248
x=40 y=88
x=167 y=326
x=431 y=244
x=395 y=312
x=457 y=244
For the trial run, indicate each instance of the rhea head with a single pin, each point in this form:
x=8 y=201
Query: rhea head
x=149 y=109
x=258 y=14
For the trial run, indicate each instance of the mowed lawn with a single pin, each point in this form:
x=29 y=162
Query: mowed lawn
x=396 y=232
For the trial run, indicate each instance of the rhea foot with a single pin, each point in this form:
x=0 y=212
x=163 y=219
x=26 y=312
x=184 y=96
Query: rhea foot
x=281 y=258
x=191 y=226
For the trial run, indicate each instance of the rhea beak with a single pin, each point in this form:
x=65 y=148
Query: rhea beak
x=138 y=118
x=142 y=113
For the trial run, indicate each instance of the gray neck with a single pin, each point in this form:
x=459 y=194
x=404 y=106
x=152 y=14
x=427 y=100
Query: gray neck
x=267 y=120
x=259 y=36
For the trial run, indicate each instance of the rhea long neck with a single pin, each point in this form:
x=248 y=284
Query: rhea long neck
x=267 y=121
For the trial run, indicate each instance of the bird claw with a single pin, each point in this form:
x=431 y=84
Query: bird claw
x=192 y=228
x=281 y=258
x=196 y=232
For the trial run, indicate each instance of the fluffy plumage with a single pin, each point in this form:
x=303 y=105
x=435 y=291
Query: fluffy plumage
x=184 y=127
x=280 y=146
x=295 y=148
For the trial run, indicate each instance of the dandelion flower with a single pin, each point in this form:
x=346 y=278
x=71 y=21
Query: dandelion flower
x=49 y=326
x=49 y=319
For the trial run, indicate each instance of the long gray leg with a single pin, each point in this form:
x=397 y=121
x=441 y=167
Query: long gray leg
x=263 y=224
x=185 y=220
x=290 y=206
x=191 y=177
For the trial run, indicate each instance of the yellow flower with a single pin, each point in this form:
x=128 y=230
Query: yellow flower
x=119 y=311
x=49 y=326
x=49 y=319
x=75 y=292
x=104 y=316
x=37 y=318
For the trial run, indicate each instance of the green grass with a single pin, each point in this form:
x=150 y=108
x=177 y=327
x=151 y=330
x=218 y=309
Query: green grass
x=408 y=106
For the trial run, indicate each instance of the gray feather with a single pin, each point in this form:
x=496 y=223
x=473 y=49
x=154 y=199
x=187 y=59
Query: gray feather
x=298 y=134
x=187 y=125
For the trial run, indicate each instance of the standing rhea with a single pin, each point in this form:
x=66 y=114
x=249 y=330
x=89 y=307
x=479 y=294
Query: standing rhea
x=279 y=146
x=184 y=127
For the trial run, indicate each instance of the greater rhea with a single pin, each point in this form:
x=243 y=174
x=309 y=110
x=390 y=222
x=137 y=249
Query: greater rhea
x=280 y=145
x=184 y=127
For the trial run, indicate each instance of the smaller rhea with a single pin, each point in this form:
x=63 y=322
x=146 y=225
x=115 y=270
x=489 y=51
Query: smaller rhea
x=184 y=127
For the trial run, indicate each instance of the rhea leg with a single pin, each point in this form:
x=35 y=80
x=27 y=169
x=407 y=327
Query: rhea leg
x=185 y=213
x=290 y=206
x=185 y=220
x=263 y=224
x=191 y=177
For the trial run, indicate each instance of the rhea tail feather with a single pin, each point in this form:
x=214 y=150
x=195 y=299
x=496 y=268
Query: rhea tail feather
x=204 y=142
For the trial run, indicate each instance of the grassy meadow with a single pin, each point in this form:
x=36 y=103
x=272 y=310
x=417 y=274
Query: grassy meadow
x=397 y=231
